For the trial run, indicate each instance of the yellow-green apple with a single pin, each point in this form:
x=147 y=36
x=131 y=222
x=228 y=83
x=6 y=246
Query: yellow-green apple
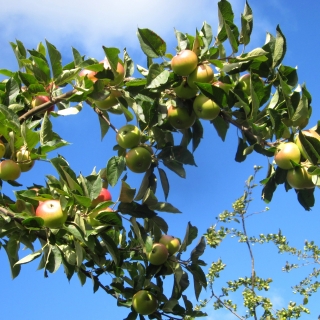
x=118 y=78
x=51 y=213
x=92 y=216
x=172 y=244
x=158 y=255
x=9 y=170
x=181 y=118
x=23 y=160
x=39 y=100
x=299 y=178
x=205 y=108
x=308 y=133
x=2 y=149
x=203 y=73
x=110 y=101
x=245 y=81
x=104 y=195
x=285 y=153
x=138 y=159
x=128 y=136
x=144 y=302
x=184 y=91
x=184 y=62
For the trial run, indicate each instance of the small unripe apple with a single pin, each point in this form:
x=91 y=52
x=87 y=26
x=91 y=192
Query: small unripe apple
x=23 y=160
x=285 y=153
x=205 y=108
x=203 y=73
x=108 y=102
x=172 y=244
x=158 y=255
x=144 y=302
x=39 y=100
x=92 y=215
x=128 y=136
x=9 y=170
x=245 y=80
x=184 y=91
x=104 y=195
x=138 y=159
x=51 y=213
x=299 y=178
x=181 y=118
x=184 y=62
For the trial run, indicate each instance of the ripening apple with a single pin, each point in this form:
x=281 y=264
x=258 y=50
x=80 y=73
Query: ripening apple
x=184 y=62
x=23 y=160
x=89 y=73
x=2 y=149
x=92 y=215
x=9 y=170
x=158 y=255
x=172 y=244
x=203 y=73
x=184 y=91
x=138 y=159
x=52 y=214
x=110 y=101
x=104 y=195
x=285 y=153
x=308 y=133
x=144 y=302
x=181 y=118
x=120 y=72
x=205 y=108
x=299 y=178
x=128 y=136
x=39 y=100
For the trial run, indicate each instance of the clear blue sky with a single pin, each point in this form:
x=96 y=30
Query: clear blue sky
x=209 y=188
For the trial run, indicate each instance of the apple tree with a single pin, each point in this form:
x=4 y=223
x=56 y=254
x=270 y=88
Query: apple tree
x=76 y=222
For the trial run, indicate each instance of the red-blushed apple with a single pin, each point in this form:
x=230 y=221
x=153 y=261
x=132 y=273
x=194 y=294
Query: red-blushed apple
x=128 y=136
x=2 y=149
x=184 y=91
x=92 y=215
x=138 y=159
x=184 y=62
x=110 y=101
x=23 y=160
x=181 y=118
x=203 y=73
x=172 y=244
x=120 y=70
x=299 y=178
x=285 y=153
x=39 y=100
x=144 y=302
x=158 y=255
x=104 y=195
x=205 y=108
x=89 y=73
x=52 y=214
x=9 y=170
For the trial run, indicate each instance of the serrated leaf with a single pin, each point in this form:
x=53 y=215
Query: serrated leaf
x=151 y=44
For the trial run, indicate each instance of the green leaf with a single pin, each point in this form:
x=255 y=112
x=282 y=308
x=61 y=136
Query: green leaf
x=198 y=250
x=77 y=58
x=164 y=207
x=242 y=145
x=178 y=153
x=104 y=125
x=161 y=223
x=66 y=76
x=8 y=119
x=221 y=126
x=12 y=248
x=34 y=223
x=109 y=218
x=191 y=234
x=199 y=278
x=306 y=198
x=175 y=166
x=280 y=48
x=164 y=182
x=111 y=247
x=46 y=133
x=197 y=134
x=126 y=193
x=151 y=44
x=115 y=167
x=246 y=24
x=149 y=198
x=55 y=59
x=136 y=210
x=30 y=257
x=157 y=76
x=214 y=93
x=207 y=32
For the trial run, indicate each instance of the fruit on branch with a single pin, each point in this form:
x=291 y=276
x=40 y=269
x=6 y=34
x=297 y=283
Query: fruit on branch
x=205 y=108
x=9 y=170
x=245 y=81
x=158 y=255
x=287 y=152
x=89 y=73
x=138 y=159
x=51 y=213
x=172 y=244
x=2 y=149
x=184 y=62
x=203 y=73
x=184 y=91
x=92 y=215
x=308 y=133
x=108 y=102
x=104 y=195
x=39 y=100
x=23 y=160
x=118 y=78
x=144 y=302
x=128 y=136
x=181 y=118
x=299 y=178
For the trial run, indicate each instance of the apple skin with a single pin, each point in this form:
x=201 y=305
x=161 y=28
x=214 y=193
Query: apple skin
x=51 y=213
x=128 y=136
x=120 y=70
x=39 y=100
x=180 y=118
x=203 y=73
x=144 y=302
x=184 y=91
x=104 y=195
x=245 y=81
x=299 y=178
x=2 y=149
x=184 y=62
x=24 y=161
x=89 y=73
x=109 y=102
x=92 y=215
x=172 y=244
x=9 y=170
x=286 y=152
x=205 y=108
x=138 y=159
x=158 y=255
x=309 y=133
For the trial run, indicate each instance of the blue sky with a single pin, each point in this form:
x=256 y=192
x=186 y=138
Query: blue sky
x=209 y=188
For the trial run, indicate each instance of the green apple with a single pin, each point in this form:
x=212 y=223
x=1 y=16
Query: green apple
x=51 y=213
x=128 y=136
x=203 y=73
x=92 y=216
x=9 y=170
x=205 y=108
x=299 y=178
x=172 y=244
x=23 y=160
x=110 y=101
x=138 y=159
x=285 y=153
x=2 y=149
x=184 y=91
x=158 y=255
x=104 y=195
x=144 y=302
x=184 y=62
x=181 y=118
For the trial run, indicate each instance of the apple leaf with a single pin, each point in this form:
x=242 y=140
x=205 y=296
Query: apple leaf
x=151 y=44
x=164 y=182
x=157 y=76
x=126 y=193
x=136 y=210
x=240 y=155
x=306 y=198
x=175 y=166
x=145 y=184
x=55 y=59
x=30 y=257
x=191 y=234
x=246 y=24
x=280 y=48
x=115 y=167
x=161 y=223
x=164 y=207
x=181 y=283
x=198 y=250
x=12 y=247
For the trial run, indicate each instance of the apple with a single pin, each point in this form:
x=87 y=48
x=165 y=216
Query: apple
x=245 y=81
x=205 y=108
x=144 y=302
x=172 y=244
x=9 y=170
x=299 y=178
x=23 y=160
x=184 y=62
x=184 y=91
x=92 y=215
x=181 y=118
x=285 y=153
x=203 y=73
x=51 y=213
x=138 y=159
x=120 y=70
x=309 y=133
x=39 y=100
x=108 y=102
x=128 y=136
x=89 y=73
x=158 y=255
x=104 y=195
x=2 y=149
